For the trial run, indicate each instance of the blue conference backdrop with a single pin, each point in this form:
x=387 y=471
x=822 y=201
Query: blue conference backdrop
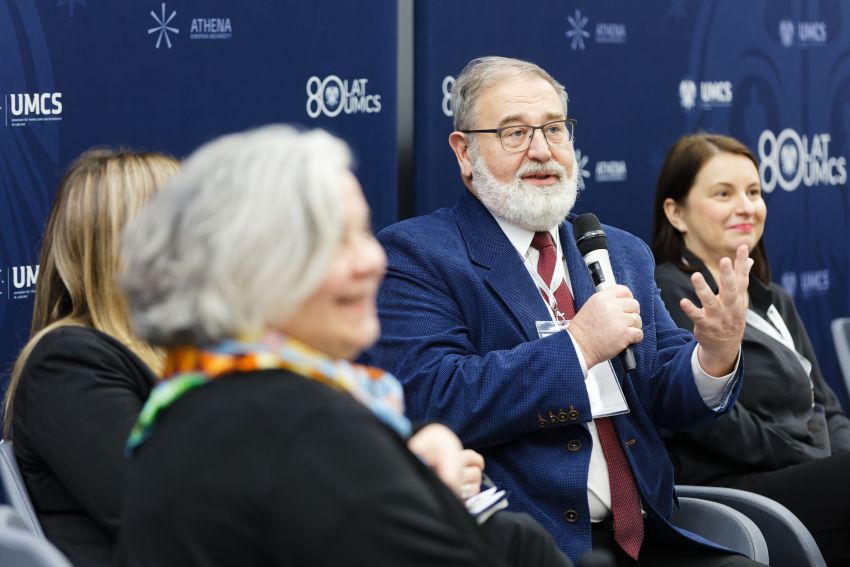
x=775 y=74
x=169 y=76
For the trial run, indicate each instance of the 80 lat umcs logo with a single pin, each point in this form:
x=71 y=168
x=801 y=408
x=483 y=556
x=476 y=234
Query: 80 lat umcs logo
x=790 y=160
x=331 y=96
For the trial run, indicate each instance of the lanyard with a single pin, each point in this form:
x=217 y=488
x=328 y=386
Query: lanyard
x=557 y=277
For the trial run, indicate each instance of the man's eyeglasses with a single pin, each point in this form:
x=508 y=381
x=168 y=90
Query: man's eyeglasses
x=518 y=138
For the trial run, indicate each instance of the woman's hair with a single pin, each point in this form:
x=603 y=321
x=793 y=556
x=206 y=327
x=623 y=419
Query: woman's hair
x=79 y=261
x=239 y=239
x=684 y=162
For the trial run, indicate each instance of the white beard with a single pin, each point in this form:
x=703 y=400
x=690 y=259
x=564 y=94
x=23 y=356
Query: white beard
x=529 y=206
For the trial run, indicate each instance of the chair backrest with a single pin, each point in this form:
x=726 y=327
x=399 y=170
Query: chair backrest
x=841 y=339
x=722 y=524
x=789 y=542
x=22 y=548
x=16 y=492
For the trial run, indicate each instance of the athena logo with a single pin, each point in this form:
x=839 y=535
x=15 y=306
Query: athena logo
x=332 y=96
x=790 y=160
x=687 y=94
x=448 y=85
x=786 y=33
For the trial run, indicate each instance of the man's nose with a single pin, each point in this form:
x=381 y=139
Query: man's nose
x=539 y=149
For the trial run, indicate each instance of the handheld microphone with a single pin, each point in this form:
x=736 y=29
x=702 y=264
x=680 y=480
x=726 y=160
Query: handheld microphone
x=593 y=246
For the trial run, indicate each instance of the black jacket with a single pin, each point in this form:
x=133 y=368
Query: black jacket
x=80 y=393
x=771 y=425
x=268 y=468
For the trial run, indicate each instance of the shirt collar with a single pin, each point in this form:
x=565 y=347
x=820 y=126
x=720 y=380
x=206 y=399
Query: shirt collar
x=521 y=237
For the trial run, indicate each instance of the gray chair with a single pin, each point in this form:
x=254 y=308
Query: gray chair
x=841 y=339
x=789 y=542
x=16 y=492
x=19 y=547
x=721 y=524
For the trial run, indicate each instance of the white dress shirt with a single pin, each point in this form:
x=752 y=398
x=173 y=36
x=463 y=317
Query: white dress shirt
x=710 y=388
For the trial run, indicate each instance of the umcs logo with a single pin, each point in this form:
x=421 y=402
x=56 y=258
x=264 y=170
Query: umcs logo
x=790 y=160
x=33 y=107
x=807 y=284
x=808 y=33
x=23 y=281
x=709 y=94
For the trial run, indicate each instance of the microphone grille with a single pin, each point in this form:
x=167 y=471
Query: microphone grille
x=589 y=234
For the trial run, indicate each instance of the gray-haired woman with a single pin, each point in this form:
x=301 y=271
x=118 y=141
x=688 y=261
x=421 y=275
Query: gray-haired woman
x=257 y=271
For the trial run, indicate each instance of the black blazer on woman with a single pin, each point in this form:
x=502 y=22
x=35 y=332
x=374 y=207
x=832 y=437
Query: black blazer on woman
x=80 y=393
x=771 y=426
x=268 y=468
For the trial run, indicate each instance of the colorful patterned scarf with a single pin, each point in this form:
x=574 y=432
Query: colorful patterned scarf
x=187 y=368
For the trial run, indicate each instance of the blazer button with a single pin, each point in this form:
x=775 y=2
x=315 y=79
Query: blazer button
x=574 y=445
x=572 y=414
x=571 y=516
x=541 y=422
x=562 y=415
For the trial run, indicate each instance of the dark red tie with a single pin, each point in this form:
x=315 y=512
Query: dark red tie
x=625 y=499
x=542 y=241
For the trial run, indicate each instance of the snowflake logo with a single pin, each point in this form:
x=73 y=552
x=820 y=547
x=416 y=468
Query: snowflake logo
x=581 y=166
x=577 y=33
x=786 y=33
x=332 y=95
x=788 y=158
x=687 y=94
x=163 y=28
x=71 y=4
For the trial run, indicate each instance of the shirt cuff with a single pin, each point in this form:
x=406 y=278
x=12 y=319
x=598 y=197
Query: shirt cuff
x=712 y=389
x=580 y=355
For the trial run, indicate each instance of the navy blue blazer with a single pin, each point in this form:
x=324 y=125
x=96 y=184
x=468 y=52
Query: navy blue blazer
x=458 y=311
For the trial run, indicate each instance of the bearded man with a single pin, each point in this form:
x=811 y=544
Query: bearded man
x=474 y=312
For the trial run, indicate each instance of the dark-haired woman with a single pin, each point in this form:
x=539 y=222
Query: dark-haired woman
x=786 y=437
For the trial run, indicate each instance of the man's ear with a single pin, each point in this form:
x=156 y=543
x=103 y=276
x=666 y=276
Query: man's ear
x=673 y=212
x=460 y=146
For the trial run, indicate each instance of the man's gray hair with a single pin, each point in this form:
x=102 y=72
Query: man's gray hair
x=239 y=239
x=482 y=73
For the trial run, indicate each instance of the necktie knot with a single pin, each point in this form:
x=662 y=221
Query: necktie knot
x=542 y=240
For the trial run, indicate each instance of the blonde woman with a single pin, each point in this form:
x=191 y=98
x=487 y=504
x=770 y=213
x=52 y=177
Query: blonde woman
x=80 y=381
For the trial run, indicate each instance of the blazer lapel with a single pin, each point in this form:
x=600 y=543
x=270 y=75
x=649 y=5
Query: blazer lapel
x=506 y=274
